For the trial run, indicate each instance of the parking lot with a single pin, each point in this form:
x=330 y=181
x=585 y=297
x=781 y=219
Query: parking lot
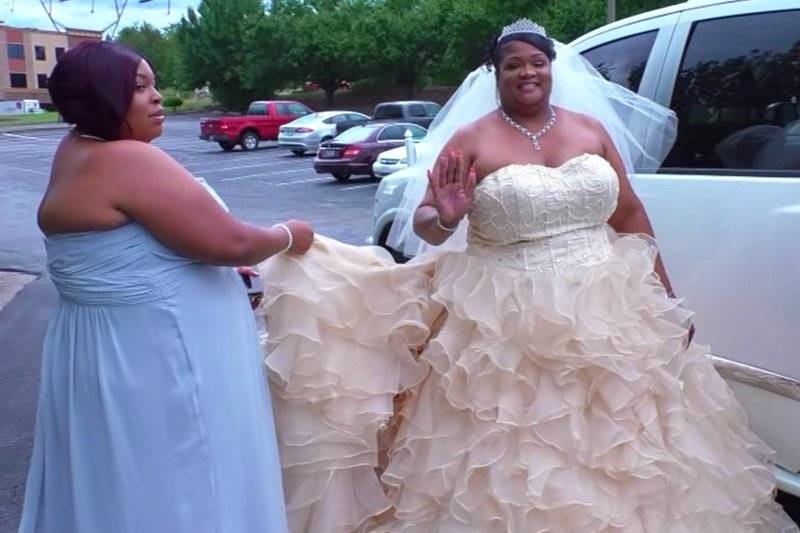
x=263 y=187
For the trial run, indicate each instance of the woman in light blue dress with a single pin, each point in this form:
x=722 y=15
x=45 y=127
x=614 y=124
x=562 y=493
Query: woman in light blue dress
x=153 y=414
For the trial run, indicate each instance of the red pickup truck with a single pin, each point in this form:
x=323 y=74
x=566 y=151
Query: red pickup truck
x=261 y=122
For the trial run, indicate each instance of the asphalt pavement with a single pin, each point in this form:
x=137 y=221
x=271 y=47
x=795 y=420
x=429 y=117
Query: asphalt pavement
x=265 y=186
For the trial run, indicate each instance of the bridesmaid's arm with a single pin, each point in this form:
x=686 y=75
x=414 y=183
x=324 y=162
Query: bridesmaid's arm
x=154 y=190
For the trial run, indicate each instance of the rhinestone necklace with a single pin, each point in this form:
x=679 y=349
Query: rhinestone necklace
x=536 y=137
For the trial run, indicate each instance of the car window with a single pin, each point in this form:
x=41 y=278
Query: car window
x=736 y=98
x=416 y=131
x=388 y=111
x=393 y=133
x=258 y=109
x=357 y=134
x=298 y=109
x=356 y=117
x=623 y=61
x=282 y=109
x=416 y=110
x=432 y=109
x=335 y=119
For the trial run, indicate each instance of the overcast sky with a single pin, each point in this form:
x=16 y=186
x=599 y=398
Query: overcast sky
x=78 y=13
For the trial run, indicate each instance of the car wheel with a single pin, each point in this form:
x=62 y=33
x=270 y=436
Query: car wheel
x=227 y=145
x=341 y=176
x=249 y=141
x=299 y=152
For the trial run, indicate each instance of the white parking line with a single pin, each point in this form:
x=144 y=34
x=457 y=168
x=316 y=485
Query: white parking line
x=261 y=174
x=18 y=136
x=310 y=180
x=358 y=187
x=224 y=169
x=37 y=172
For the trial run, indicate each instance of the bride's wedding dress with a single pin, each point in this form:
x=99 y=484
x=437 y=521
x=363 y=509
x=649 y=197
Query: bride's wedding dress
x=538 y=382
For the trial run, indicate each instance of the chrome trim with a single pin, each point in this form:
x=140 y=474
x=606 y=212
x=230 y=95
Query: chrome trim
x=757 y=377
x=788 y=482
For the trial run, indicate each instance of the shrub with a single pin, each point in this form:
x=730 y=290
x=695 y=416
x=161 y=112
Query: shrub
x=173 y=102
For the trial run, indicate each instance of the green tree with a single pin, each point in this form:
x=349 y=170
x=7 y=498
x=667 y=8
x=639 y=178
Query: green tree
x=405 y=39
x=328 y=44
x=268 y=62
x=213 y=43
x=158 y=48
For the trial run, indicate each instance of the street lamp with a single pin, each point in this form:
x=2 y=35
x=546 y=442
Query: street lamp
x=611 y=11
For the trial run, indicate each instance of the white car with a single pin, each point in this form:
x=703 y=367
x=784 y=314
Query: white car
x=306 y=133
x=725 y=205
x=395 y=159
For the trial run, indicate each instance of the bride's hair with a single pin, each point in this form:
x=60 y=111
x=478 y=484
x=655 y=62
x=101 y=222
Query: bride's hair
x=494 y=51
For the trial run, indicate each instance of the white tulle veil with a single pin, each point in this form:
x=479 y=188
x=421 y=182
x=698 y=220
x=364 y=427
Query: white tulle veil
x=642 y=131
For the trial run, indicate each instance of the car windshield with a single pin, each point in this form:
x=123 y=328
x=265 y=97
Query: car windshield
x=358 y=134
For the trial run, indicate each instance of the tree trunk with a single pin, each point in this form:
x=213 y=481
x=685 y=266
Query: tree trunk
x=329 y=92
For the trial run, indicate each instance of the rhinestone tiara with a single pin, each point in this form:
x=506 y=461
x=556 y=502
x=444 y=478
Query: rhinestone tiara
x=523 y=26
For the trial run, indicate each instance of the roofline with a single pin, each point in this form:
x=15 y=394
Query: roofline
x=688 y=5
x=67 y=32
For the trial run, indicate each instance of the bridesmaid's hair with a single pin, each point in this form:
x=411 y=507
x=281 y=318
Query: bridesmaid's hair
x=92 y=87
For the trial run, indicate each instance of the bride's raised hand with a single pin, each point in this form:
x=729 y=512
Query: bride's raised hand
x=452 y=187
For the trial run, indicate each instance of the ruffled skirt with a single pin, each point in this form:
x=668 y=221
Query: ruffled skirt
x=451 y=394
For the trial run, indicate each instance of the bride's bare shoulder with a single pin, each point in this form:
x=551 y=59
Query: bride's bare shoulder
x=473 y=133
x=580 y=120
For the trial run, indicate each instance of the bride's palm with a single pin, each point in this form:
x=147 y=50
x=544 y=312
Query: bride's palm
x=453 y=202
x=452 y=187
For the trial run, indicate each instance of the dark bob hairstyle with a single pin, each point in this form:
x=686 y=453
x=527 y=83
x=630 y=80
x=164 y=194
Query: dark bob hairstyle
x=92 y=87
x=494 y=55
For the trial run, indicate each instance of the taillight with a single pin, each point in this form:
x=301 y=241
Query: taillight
x=303 y=130
x=223 y=126
x=351 y=151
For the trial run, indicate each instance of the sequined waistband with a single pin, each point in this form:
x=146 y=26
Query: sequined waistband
x=582 y=247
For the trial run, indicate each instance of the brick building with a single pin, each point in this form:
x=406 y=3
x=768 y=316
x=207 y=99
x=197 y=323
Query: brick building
x=27 y=56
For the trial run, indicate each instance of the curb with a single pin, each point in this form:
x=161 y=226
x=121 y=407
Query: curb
x=11 y=283
x=21 y=128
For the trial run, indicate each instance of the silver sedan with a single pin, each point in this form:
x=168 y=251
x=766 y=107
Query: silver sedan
x=306 y=133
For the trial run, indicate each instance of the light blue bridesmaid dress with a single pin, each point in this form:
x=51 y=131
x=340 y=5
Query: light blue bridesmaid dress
x=154 y=415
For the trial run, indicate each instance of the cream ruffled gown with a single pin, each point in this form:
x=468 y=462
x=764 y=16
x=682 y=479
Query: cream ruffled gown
x=536 y=383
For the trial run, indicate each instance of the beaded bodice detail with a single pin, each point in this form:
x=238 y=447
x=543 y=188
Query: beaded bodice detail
x=535 y=217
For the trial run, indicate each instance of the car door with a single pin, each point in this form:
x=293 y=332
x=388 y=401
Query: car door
x=725 y=206
x=391 y=136
x=340 y=123
x=259 y=115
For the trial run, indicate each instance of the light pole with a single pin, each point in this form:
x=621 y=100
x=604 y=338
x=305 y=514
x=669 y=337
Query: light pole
x=611 y=11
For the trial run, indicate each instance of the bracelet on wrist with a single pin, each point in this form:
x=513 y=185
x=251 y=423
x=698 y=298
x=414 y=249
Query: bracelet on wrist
x=285 y=228
x=443 y=227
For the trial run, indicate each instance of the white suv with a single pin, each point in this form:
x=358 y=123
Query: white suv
x=725 y=205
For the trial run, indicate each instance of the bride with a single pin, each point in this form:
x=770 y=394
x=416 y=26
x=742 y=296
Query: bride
x=530 y=370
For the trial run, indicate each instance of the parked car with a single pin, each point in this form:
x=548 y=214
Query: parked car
x=414 y=111
x=260 y=123
x=395 y=159
x=354 y=151
x=725 y=205
x=306 y=133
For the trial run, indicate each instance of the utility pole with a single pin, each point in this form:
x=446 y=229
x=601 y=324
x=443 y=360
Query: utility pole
x=611 y=11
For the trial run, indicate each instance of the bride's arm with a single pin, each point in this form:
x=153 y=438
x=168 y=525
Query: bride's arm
x=451 y=189
x=630 y=215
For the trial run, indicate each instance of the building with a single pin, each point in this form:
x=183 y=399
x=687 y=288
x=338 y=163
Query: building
x=27 y=56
